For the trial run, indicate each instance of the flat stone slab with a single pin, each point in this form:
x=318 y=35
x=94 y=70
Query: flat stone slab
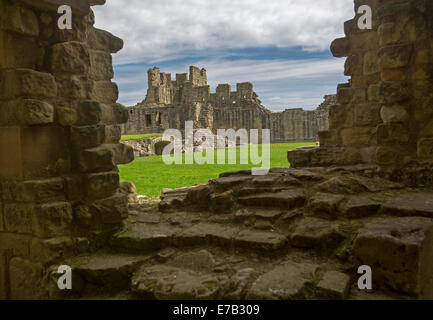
x=312 y=232
x=411 y=204
x=334 y=285
x=227 y=182
x=359 y=207
x=107 y=270
x=207 y=233
x=325 y=204
x=287 y=199
x=164 y=282
x=145 y=237
x=260 y=240
x=286 y=282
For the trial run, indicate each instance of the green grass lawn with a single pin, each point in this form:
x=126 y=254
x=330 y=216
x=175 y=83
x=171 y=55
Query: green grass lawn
x=140 y=136
x=150 y=174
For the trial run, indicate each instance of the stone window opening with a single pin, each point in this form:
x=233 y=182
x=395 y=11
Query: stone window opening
x=158 y=118
x=148 y=120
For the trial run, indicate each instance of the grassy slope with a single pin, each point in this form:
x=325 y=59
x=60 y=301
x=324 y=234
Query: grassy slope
x=151 y=174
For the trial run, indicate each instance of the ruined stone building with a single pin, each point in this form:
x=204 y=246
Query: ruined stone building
x=169 y=103
x=363 y=198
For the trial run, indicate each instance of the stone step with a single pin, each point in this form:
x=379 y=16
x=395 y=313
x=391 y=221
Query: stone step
x=164 y=282
x=410 y=204
x=103 y=272
x=150 y=238
x=287 y=199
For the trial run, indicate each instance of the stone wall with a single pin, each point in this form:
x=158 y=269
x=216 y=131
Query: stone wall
x=59 y=141
x=384 y=114
x=169 y=103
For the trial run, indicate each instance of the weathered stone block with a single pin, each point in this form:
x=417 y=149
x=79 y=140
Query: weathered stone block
x=367 y=114
x=47 y=251
x=19 y=20
x=104 y=41
x=10 y=152
x=16 y=244
x=362 y=136
x=101 y=67
x=26 y=280
x=74 y=87
x=104 y=91
x=102 y=185
x=347 y=95
x=427 y=130
x=53 y=219
x=389 y=33
x=340 y=47
x=89 y=112
x=325 y=204
x=316 y=233
x=45 y=190
x=114 y=114
x=285 y=282
x=358 y=207
x=85 y=137
x=373 y=92
x=393 y=75
x=399 y=251
x=93 y=112
x=396 y=56
x=394 y=113
x=14 y=51
x=328 y=138
x=353 y=65
x=392 y=133
x=19 y=218
x=69 y=57
x=113 y=134
x=371 y=65
x=334 y=285
x=27 y=112
x=425 y=149
x=393 y=91
x=66 y=116
x=111 y=210
x=97 y=159
x=123 y=154
x=364 y=41
x=25 y=82
x=341 y=116
x=386 y=156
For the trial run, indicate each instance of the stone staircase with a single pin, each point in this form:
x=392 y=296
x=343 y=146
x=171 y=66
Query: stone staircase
x=292 y=234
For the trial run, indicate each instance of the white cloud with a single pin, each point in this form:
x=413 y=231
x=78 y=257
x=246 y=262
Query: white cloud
x=165 y=29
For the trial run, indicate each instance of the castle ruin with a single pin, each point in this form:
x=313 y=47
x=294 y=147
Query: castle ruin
x=169 y=103
x=363 y=198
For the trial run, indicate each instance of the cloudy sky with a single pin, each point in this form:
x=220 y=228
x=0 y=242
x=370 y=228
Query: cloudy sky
x=282 y=46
